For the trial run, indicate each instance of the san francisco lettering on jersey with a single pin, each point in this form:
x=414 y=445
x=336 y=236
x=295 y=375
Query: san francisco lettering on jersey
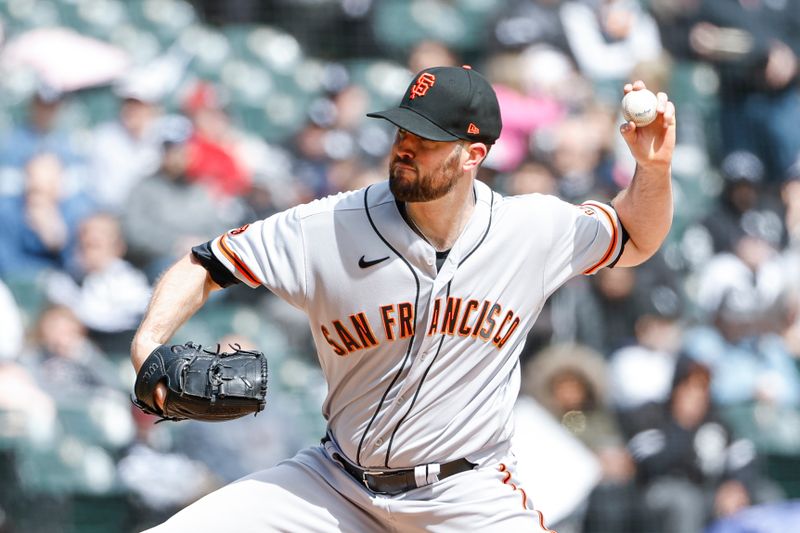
x=485 y=321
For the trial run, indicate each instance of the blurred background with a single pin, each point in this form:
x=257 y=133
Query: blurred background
x=133 y=130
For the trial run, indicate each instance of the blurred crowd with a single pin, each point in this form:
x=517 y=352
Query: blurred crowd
x=681 y=376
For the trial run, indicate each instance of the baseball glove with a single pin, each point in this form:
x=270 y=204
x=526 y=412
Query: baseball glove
x=206 y=385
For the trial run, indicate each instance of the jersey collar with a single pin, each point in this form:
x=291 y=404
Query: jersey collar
x=389 y=223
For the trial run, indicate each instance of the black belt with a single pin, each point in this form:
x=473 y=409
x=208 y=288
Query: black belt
x=395 y=482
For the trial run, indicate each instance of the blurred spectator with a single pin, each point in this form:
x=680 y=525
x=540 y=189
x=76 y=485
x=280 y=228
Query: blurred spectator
x=753 y=272
x=428 y=54
x=569 y=381
x=39 y=226
x=29 y=411
x=336 y=145
x=349 y=143
x=40 y=133
x=106 y=292
x=675 y=19
x=167 y=214
x=311 y=165
x=754 y=47
x=160 y=479
x=749 y=363
x=526 y=101
x=742 y=204
x=531 y=178
x=64 y=360
x=608 y=38
x=344 y=175
x=19 y=393
x=767 y=518
x=212 y=158
x=790 y=260
x=126 y=150
x=364 y=177
x=546 y=70
x=606 y=313
x=690 y=467
x=642 y=372
x=579 y=149
x=530 y=22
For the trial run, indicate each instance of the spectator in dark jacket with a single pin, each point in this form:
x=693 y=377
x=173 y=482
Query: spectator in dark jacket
x=742 y=204
x=754 y=46
x=689 y=464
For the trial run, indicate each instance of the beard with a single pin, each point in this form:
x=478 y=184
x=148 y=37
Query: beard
x=410 y=186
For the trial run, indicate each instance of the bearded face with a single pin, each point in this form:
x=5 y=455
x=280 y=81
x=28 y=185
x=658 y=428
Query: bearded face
x=409 y=184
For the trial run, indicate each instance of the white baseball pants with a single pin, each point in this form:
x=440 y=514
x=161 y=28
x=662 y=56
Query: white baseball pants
x=311 y=493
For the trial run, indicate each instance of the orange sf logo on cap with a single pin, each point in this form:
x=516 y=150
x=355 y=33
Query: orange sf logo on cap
x=424 y=82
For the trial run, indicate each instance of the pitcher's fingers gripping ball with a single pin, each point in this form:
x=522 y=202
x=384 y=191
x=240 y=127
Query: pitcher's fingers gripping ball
x=205 y=385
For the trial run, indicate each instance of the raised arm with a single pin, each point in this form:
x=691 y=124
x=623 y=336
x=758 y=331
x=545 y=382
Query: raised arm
x=179 y=294
x=645 y=207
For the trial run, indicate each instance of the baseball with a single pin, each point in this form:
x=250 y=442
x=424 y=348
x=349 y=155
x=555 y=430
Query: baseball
x=639 y=107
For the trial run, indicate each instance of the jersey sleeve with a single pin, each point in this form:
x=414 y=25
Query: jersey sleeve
x=269 y=252
x=586 y=238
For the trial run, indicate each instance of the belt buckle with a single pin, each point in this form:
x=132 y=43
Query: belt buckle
x=366 y=473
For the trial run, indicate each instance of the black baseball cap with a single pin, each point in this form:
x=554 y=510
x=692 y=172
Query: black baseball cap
x=447 y=104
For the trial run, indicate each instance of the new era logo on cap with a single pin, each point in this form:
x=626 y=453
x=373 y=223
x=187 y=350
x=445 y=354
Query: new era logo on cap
x=446 y=104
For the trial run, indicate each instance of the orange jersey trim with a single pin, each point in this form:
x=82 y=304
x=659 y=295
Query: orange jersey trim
x=507 y=481
x=237 y=262
x=614 y=236
x=541 y=523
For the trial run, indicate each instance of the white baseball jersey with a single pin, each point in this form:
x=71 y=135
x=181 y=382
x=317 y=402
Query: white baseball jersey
x=422 y=365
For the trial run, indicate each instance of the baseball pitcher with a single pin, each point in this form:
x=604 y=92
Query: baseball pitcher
x=419 y=292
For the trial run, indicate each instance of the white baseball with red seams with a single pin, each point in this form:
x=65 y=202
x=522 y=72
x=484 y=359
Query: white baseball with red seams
x=422 y=365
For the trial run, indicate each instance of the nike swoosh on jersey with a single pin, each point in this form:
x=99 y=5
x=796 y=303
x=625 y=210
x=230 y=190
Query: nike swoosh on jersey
x=366 y=264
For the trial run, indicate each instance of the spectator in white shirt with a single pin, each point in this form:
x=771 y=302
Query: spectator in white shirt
x=106 y=293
